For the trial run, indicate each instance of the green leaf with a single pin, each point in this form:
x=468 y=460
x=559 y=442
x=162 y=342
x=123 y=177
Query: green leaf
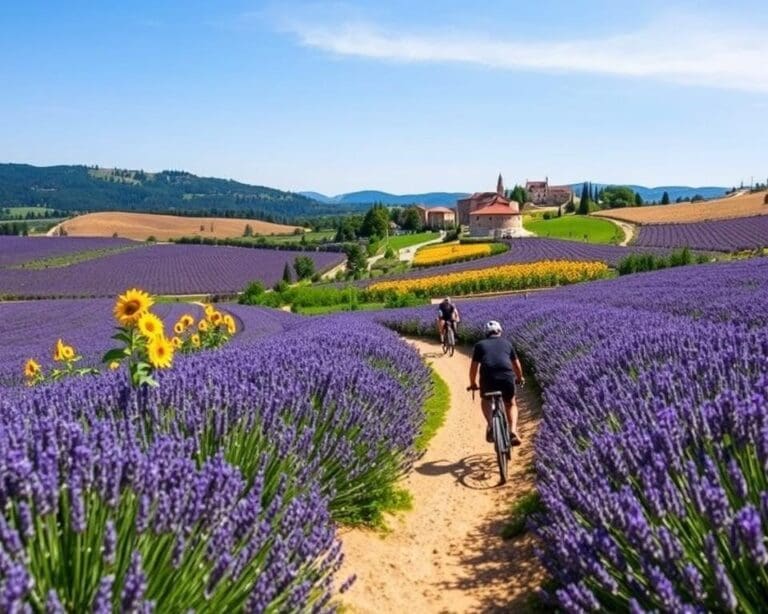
x=115 y=354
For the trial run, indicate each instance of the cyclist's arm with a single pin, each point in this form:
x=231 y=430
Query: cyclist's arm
x=473 y=373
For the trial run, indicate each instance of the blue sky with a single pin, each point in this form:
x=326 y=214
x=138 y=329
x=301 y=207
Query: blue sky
x=401 y=96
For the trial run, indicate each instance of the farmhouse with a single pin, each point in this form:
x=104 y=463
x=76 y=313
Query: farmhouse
x=436 y=218
x=541 y=193
x=491 y=214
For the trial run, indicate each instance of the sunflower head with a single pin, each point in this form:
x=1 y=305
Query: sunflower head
x=187 y=320
x=208 y=310
x=114 y=365
x=32 y=369
x=176 y=342
x=58 y=351
x=150 y=325
x=131 y=305
x=160 y=352
x=195 y=339
x=178 y=328
x=215 y=318
x=202 y=326
x=68 y=352
x=229 y=322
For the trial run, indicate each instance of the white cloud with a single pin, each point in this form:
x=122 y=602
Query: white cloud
x=688 y=51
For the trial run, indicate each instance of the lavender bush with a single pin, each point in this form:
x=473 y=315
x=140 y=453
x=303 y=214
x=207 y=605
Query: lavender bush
x=219 y=489
x=159 y=269
x=718 y=235
x=653 y=450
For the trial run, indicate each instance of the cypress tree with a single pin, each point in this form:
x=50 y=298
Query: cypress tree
x=665 y=198
x=287 y=274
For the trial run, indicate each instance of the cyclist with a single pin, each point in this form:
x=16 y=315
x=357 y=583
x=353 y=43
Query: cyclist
x=500 y=370
x=447 y=313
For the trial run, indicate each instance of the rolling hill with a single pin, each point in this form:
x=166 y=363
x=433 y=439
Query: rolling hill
x=654 y=194
x=90 y=188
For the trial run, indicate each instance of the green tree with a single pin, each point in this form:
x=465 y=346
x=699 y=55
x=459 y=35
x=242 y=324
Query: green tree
x=411 y=219
x=287 y=278
x=375 y=222
x=304 y=267
x=638 y=199
x=665 y=198
x=357 y=263
x=616 y=196
x=584 y=203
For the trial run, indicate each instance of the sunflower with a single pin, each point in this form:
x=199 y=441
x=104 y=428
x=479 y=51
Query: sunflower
x=179 y=327
x=68 y=352
x=131 y=305
x=114 y=365
x=229 y=322
x=202 y=326
x=160 y=352
x=208 y=310
x=150 y=325
x=176 y=342
x=58 y=352
x=215 y=318
x=32 y=368
x=195 y=339
x=187 y=320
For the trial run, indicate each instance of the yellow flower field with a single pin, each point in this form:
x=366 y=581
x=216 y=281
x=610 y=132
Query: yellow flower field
x=443 y=254
x=496 y=279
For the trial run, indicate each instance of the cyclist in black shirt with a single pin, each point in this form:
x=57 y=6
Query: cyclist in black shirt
x=500 y=370
x=447 y=313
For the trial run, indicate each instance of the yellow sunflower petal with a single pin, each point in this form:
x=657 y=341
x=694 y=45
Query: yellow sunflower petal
x=160 y=352
x=131 y=305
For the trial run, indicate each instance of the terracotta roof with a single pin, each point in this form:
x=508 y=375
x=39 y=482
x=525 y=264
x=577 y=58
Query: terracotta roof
x=440 y=210
x=535 y=184
x=499 y=209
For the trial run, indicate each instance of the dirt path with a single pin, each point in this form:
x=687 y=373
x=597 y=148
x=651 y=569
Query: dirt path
x=446 y=555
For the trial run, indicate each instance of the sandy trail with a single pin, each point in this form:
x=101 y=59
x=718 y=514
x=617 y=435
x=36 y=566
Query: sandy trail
x=446 y=554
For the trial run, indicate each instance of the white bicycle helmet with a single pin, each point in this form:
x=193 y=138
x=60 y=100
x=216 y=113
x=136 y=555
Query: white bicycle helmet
x=492 y=328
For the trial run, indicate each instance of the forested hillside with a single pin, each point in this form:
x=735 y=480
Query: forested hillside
x=88 y=188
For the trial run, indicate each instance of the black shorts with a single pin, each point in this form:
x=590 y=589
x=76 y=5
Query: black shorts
x=505 y=386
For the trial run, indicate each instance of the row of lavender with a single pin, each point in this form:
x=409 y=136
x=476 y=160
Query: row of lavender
x=160 y=269
x=217 y=491
x=19 y=250
x=652 y=457
x=741 y=234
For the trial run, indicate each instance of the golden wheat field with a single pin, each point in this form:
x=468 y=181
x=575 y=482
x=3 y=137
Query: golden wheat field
x=140 y=226
x=746 y=205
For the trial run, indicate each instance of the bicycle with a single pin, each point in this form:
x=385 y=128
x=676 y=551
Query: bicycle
x=449 y=339
x=500 y=431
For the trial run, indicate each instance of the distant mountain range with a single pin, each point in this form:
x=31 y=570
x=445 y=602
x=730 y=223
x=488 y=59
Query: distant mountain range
x=367 y=197
x=374 y=196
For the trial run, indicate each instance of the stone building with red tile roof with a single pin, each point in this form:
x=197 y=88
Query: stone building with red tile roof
x=491 y=214
x=541 y=193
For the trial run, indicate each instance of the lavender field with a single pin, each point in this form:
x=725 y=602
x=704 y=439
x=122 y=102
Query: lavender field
x=134 y=485
x=160 y=269
x=19 y=250
x=652 y=454
x=724 y=235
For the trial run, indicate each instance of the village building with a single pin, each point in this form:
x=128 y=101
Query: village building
x=436 y=218
x=491 y=214
x=541 y=193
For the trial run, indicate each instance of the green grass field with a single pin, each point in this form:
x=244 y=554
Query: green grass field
x=575 y=228
x=16 y=213
x=309 y=236
x=403 y=241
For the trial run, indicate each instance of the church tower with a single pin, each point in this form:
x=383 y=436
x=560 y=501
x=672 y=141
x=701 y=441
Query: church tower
x=500 y=186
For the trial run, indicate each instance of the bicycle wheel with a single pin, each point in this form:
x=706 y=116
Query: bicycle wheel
x=500 y=441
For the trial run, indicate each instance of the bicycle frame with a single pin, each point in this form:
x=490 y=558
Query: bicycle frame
x=500 y=430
